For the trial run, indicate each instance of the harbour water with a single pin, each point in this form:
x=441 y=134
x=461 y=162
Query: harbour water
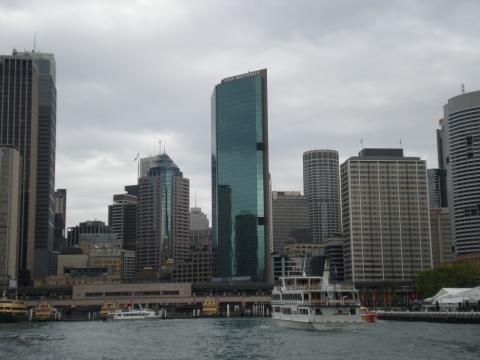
x=235 y=338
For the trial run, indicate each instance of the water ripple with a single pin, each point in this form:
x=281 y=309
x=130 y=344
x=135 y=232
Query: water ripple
x=241 y=338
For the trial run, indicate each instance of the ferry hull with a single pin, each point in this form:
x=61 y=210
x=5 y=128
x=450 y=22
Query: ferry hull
x=290 y=324
x=133 y=318
x=295 y=324
x=11 y=318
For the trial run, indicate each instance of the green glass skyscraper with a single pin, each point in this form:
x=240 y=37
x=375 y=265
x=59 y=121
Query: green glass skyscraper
x=240 y=185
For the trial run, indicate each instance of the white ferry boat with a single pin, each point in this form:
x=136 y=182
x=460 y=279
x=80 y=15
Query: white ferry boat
x=312 y=302
x=132 y=314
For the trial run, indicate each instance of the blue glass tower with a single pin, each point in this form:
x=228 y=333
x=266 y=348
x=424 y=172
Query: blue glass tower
x=167 y=169
x=163 y=227
x=240 y=185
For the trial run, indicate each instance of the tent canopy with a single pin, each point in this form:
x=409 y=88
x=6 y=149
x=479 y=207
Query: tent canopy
x=455 y=295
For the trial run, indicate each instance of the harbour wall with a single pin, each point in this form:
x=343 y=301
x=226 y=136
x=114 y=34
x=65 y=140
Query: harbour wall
x=440 y=317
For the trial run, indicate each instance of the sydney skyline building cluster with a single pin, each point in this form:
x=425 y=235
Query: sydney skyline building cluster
x=380 y=216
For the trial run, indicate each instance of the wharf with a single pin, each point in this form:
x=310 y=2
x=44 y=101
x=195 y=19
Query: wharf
x=442 y=317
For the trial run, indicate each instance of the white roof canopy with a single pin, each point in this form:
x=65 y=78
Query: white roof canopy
x=455 y=295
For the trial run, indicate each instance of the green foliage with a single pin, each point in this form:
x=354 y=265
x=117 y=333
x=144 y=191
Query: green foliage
x=429 y=282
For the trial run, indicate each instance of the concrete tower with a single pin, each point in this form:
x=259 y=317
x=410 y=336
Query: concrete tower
x=321 y=186
x=461 y=129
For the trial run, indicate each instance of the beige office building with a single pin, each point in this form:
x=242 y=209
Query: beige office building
x=10 y=195
x=385 y=216
x=442 y=245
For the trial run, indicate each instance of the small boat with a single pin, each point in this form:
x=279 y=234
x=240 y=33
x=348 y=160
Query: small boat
x=209 y=307
x=12 y=310
x=133 y=313
x=45 y=311
x=368 y=315
x=312 y=302
x=107 y=307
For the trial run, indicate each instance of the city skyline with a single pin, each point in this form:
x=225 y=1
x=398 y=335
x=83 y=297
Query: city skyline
x=316 y=67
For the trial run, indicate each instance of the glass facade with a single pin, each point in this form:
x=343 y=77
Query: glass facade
x=167 y=169
x=240 y=175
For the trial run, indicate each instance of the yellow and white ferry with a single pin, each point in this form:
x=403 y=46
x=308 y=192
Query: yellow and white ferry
x=108 y=306
x=12 y=310
x=210 y=307
x=45 y=311
x=312 y=302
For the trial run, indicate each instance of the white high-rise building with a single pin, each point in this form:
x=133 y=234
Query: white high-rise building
x=461 y=152
x=386 y=221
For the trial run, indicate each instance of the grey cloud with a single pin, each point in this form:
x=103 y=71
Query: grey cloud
x=131 y=73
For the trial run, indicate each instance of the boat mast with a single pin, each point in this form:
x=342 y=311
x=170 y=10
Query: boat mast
x=326 y=273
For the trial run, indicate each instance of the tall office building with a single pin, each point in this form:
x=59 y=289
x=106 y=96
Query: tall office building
x=147 y=163
x=441 y=144
x=163 y=227
x=200 y=232
x=28 y=121
x=321 y=186
x=89 y=227
x=59 y=238
x=10 y=196
x=131 y=189
x=461 y=151
x=122 y=219
x=47 y=125
x=442 y=246
x=240 y=176
x=289 y=219
x=198 y=219
x=385 y=218
x=437 y=188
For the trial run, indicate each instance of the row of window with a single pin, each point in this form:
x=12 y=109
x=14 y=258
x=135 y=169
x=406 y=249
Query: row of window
x=137 y=293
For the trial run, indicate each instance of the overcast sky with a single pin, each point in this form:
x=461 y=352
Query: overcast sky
x=131 y=73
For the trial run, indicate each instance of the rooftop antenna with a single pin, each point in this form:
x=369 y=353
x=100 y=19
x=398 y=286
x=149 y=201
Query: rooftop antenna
x=463 y=88
x=401 y=146
x=361 y=142
x=34 y=42
x=195 y=199
x=160 y=146
x=137 y=159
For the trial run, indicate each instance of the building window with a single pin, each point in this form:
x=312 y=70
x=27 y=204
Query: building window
x=469 y=140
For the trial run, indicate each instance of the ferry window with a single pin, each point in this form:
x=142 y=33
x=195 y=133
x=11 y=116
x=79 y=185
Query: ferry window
x=353 y=311
x=318 y=311
x=305 y=296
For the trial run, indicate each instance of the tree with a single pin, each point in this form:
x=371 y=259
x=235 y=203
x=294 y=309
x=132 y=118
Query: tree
x=429 y=282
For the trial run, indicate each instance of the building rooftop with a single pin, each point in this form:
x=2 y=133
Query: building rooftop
x=245 y=75
x=382 y=154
